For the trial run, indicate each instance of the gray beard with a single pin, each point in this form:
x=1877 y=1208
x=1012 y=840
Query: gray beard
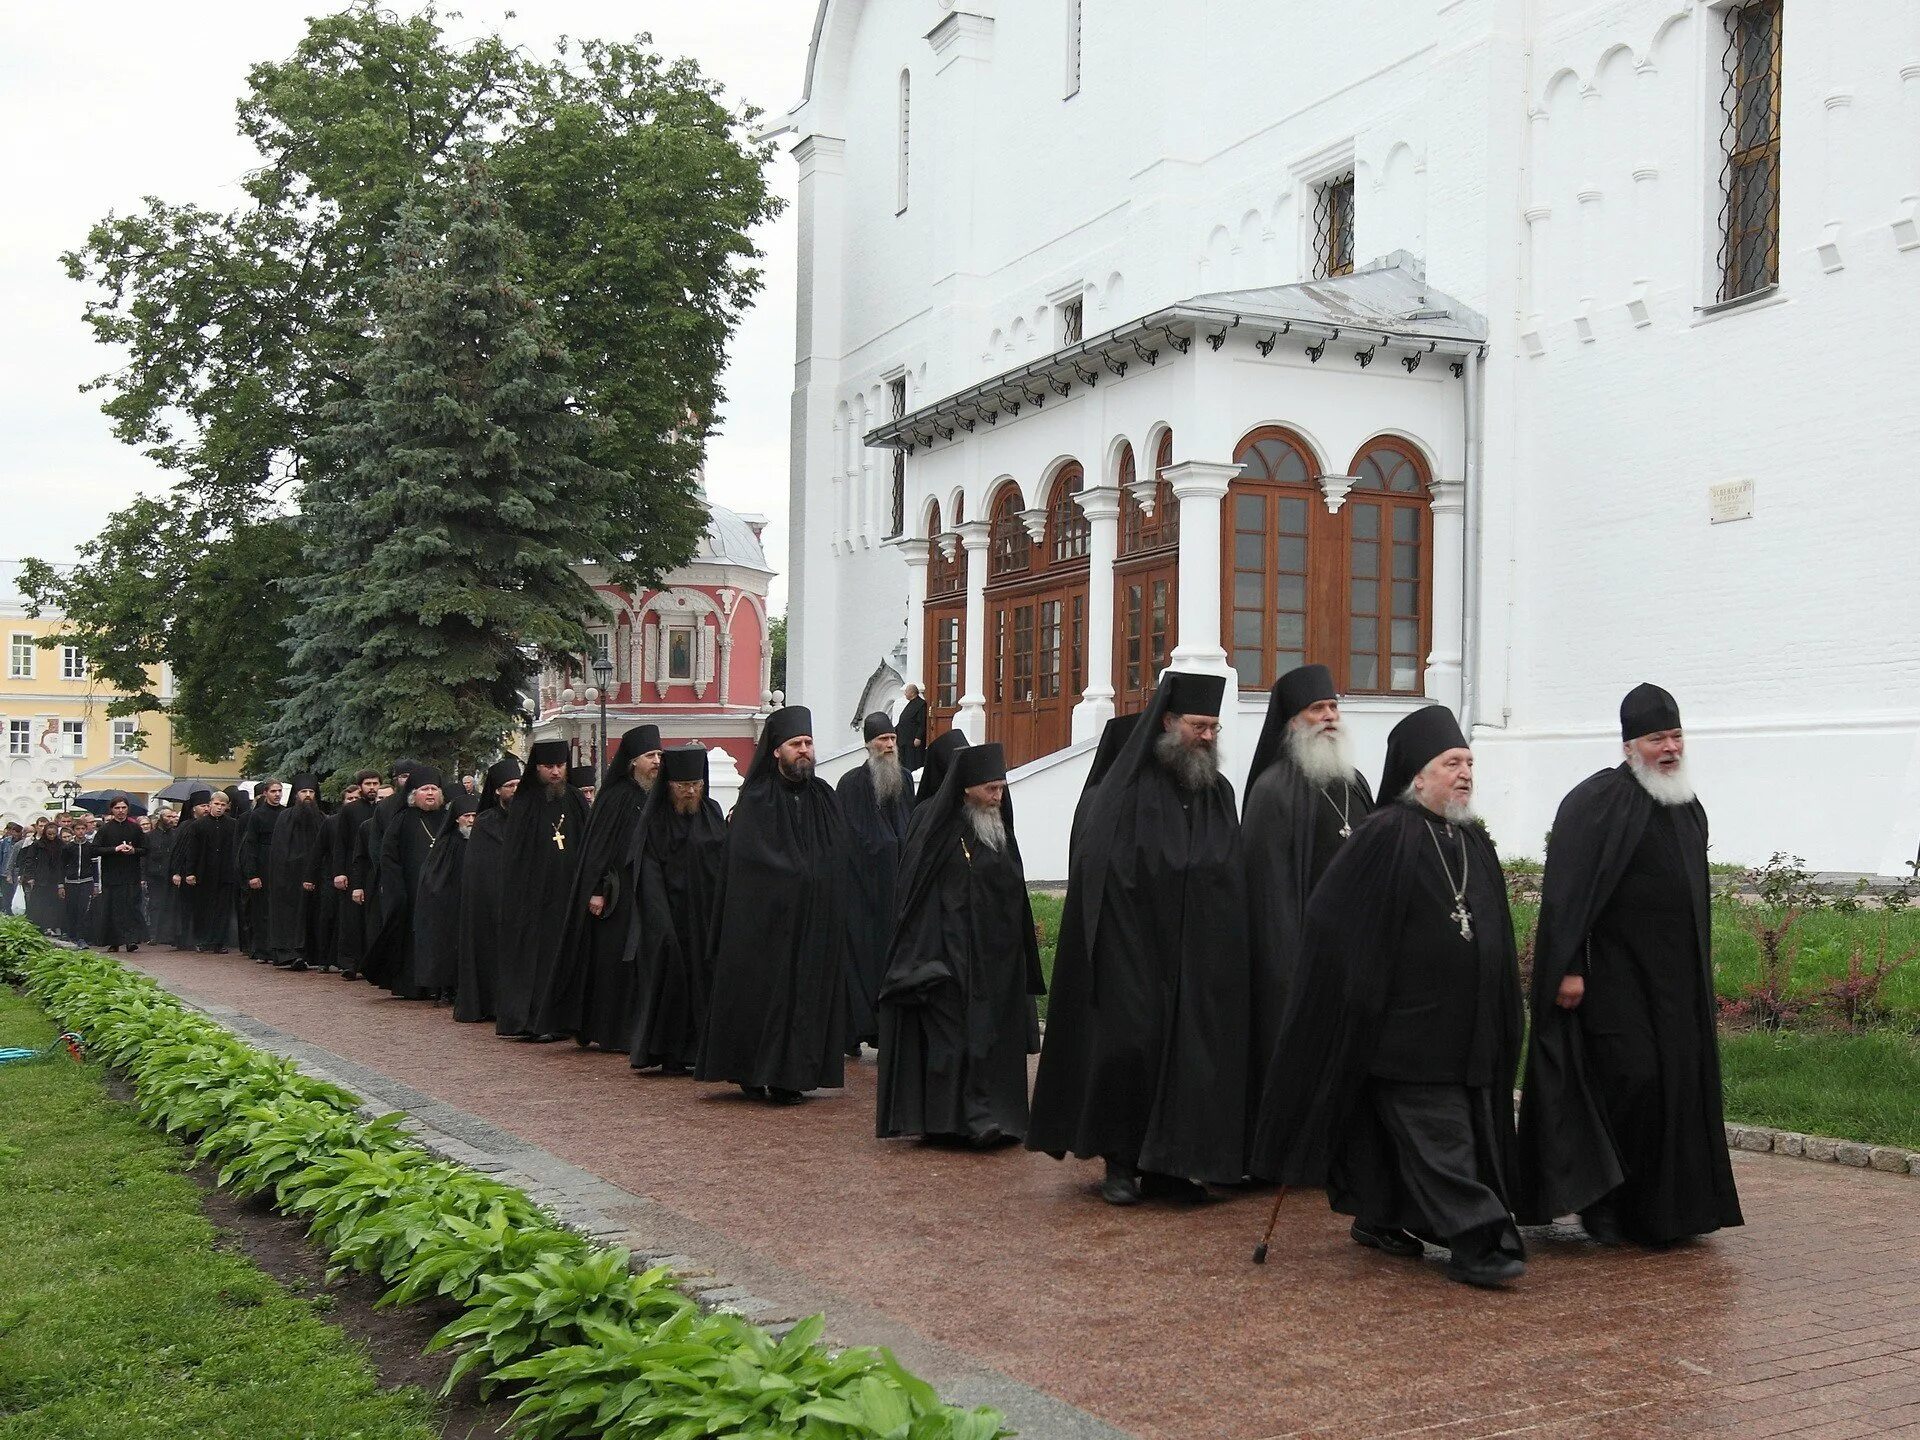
x=888 y=778
x=1454 y=812
x=1325 y=759
x=989 y=827
x=1193 y=769
x=1673 y=787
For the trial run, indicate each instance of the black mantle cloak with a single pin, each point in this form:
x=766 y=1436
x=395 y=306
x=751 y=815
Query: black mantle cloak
x=406 y=852
x=163 y=899
x=436 y=906
x=933 y=771
x=1582 y=1129
x=208 y=851
x=482 y=873
x=287 y=915
x=879 y=834
x=1316 y=1126
x=776 y=1012
x=1145 y=1062
x=674 y=869
x=542 y=854
x=954 y=1002
x=341 y=836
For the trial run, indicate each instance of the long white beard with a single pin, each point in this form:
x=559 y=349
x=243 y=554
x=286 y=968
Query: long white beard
x=1454 y=812
x=1195 y=769
x=887 y=775
x=1667 y=787
x=989 y=827
x=1324 y=757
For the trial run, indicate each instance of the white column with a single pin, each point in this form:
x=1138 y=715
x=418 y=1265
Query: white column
x=1200 y=486
x=1101 y=506
x=975 y=535
x=916 y=553
x=1449 y=506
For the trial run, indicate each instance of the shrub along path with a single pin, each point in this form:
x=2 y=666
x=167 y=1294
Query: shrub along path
x=1153 y=1320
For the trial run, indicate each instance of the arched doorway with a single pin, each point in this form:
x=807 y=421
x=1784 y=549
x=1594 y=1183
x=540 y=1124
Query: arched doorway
x=1036 y=620
x=946 y=622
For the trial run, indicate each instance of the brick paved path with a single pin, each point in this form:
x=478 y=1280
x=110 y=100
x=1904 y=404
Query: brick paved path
x=1806 y=1322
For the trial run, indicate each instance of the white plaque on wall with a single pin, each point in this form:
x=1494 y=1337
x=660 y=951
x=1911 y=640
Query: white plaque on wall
x=1730 y=501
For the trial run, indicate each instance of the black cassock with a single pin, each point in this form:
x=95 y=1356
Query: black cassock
x=394 y=958
x=675 y=873
x=954 y=1002
x=1392 y=1081
x=911 y=730
x=209 y=851
x=341 y=837
x=78 y=880
x=933 y=773
x=1146 y=1056
x=543 y=836
x=1622 y=1094
x=776 y=1013
x=482 y=872
x=254 y=833
x=879 y=834
x=39 y=865
x=163 y=900
x=436 y=909
x=368 y=846
x=288 y=913
x=116 y=918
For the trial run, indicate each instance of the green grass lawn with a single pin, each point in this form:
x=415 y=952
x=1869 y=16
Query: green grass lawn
x=119 y=1320
x=1853 y=1087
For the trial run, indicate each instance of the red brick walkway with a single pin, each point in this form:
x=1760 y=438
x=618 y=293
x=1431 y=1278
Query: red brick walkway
x=1806 y=1322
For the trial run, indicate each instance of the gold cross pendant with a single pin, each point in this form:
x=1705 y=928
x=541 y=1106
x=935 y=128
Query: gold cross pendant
x=559 y=840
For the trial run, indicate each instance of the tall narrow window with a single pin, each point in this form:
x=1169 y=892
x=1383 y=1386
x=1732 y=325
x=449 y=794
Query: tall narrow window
x=1073 y=321
x=73 y=738
x=20 y=657
x=896 y=407
x=1333 y=228
x=906 y=127
x=1750 y=141
x=1073 y=49
x=73 y=665
x=126 y=737
x=19 y=737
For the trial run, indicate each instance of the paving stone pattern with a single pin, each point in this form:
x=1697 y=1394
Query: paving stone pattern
x=1003 y=1279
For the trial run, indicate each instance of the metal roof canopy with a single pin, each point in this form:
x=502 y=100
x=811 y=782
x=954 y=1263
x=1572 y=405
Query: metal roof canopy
x=1386 y=305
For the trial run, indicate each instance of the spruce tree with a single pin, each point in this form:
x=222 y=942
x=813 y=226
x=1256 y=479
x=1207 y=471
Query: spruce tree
x=445 y=534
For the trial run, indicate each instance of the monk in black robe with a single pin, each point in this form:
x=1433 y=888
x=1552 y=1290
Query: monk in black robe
x=256 y=824
x=368 y=848
x=1392 y=1083
x=546 y=821
x=38 y=864
x=119 y=846
x=163 y=901
x=1145 y=1064
x=673 y=869
x=482 y=873
x=209 y=859
x=582 y=778
x=290 y=871
x=407 y=846
x=933 y=774
x=1621 y=1119
x=437 y=902
x=777 y=1015
x=961 y=969
x=339 y=837
x=1303 y=801
x=876 y=801
x=588 y=995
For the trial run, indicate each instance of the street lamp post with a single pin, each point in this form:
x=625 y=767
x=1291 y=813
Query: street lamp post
x=63 y=791
x=602 y=674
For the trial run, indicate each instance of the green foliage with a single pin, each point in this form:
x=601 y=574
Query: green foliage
x=637 y=182
x=1856 y=1087
x=777 y=653
x=586 y=1344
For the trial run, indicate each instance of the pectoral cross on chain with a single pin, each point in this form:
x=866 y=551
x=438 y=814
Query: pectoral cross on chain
x=559 y=840
x=1463 y=919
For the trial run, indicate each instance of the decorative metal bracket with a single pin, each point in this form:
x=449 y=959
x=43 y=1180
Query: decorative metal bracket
x=993 y=416
x=966 y=424
x=1214 y=342
x=1365 y=357
x=1179 y=342
x=1314 y=352
x=1088 y=378
x=1118 y=367
x=1012 y=407
x=1412 y=362
x=1459 y=368
x=1152 y=357
x=1035 y=398
x=1265 y=347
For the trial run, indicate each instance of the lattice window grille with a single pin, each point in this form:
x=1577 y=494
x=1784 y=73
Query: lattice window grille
x=1749 y=258
x=1333 y=227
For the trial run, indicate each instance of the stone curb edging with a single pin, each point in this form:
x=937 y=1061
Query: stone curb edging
x=1765 y=1140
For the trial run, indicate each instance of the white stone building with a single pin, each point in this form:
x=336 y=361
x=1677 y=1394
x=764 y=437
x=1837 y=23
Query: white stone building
x=1094 y=373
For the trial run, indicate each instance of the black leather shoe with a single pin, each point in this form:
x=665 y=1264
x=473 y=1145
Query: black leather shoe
x=754 y=1092
x=1489 y=1272
x=1601 y=1226
x=1388 y=1240
x=1121 y=1187
x=777 y=1096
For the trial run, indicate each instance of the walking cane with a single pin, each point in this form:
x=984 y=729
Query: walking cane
x=1273 y=1218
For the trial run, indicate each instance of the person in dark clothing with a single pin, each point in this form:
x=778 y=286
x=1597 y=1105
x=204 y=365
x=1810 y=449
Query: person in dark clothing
x=437 y=901
x=338 y=838
x=163 y=900
x=582 y=778
x=588 y=995
x=546 y=821
x=40 y=870
x=367 y=851
x=1146 y=1054
x=256 y=825
x=911 y=728
x=1392 y=1083
x=776 y=1013
x=291 y=883
x=933 y=773
x=673 y=868
x=11 y=839
x=876 y=803
x=119 y=847
x=482 y=874
x=962 y=966
x=1303 y=801
x=208 y=855
x=1620 y=1119
x=407 y=848
x=79 y=880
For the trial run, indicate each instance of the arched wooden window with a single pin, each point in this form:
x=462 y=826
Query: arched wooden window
x=1139 y=531
x=1389 y=529
x=1010 y=549
x=944 y=576
x=1068 y=533
x=1270 y=524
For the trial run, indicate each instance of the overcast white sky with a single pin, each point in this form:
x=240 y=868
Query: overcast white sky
x=103 y=103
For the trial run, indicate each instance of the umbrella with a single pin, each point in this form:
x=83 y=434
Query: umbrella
x=96 y=802
x=180 y=789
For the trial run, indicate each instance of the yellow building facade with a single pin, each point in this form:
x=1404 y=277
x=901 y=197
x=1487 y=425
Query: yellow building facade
x=54 y=727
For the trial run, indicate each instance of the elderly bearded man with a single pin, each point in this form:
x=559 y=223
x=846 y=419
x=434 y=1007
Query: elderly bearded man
x=1392 y=1082
x=1145 y=1064
x=546 y=821
x=876 y=801
x=1621 y=1120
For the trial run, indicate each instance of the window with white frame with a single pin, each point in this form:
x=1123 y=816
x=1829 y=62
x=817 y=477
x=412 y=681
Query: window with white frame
x=1749 y=258
x=73 y=665
x=19 y=737
x=598 y=647
x=1073 y=49
x=126 y=737
x=73 y=738
x=906 y=126
x=1333 y=227
x=1073 y=320
x=20 y=657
